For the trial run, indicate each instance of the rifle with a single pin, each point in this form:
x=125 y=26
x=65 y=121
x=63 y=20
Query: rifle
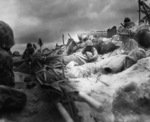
x=122 y=24
x=69 y=35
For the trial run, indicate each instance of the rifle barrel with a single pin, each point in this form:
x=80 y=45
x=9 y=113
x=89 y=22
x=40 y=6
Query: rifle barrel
x=69 y=35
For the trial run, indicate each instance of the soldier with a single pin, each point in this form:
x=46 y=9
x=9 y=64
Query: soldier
x=6 y=62
x=128 y=23
x=127 y=44
x=28 y=51
x=90 y=51
x=10 y=98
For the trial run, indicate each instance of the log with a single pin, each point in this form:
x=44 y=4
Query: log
x=64 y=113
x=90 y=101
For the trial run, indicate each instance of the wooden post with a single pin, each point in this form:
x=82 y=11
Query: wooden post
x=139 y=10
x=69 y=35
x=63 y=39
x=145 y=8
x=64 y=113
x=90 y=101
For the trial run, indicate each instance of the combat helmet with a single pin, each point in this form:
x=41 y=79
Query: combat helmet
x=6 y=36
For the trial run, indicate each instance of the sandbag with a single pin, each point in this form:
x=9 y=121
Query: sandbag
x=80 y=71
x=115 y=64
x=112 y=64
x=77 y=57
x=105 y=47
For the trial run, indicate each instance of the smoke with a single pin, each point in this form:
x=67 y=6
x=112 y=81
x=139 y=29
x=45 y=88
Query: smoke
x=49 y=19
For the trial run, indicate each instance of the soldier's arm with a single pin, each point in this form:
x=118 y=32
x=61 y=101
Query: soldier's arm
x=95 y=55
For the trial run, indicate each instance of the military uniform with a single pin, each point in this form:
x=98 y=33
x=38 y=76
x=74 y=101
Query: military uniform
x=10 y=98
x=6 y=62
x=6 y=66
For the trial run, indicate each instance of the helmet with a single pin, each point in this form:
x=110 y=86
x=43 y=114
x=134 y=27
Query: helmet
x=6 y=36
x=88 y=43
x=29 y=45
x=16 y=53
x=82 y=36
x=127 y=19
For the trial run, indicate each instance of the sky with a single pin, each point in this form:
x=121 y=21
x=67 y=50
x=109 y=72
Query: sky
x=49 y=19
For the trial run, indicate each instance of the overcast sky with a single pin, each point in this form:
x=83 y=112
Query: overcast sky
x=49 y=19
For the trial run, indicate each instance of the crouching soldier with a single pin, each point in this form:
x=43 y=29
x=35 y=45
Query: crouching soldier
x=10 y=99
x=90 y=52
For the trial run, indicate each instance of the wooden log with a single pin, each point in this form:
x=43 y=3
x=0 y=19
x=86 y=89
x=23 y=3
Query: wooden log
x=139 y=10
x=90 y=101
x=64 y=113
